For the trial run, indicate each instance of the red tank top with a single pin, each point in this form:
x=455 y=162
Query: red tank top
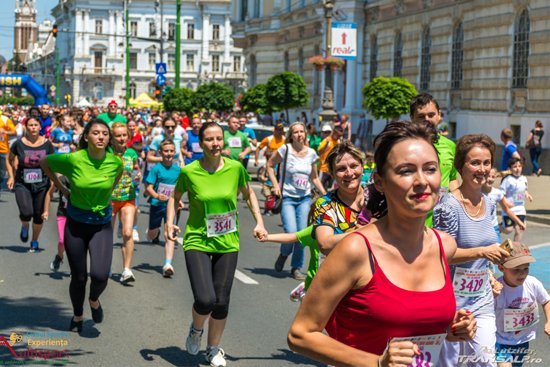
x=369 y=317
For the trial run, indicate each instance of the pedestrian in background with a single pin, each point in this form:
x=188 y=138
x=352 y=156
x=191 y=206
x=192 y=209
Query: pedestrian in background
x=510 y=148
x=534 y=144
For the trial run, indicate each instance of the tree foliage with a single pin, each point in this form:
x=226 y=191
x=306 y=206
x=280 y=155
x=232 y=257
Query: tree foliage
x=21 y=101
x=214 y=97
x=179 y=99
x=255 y=100
x=388 y=98
x=286 y=90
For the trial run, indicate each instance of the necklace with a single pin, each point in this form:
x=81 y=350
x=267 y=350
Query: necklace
x=465 y=208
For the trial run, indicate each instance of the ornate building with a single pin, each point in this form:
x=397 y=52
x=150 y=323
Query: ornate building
x=25 y=28
x=91 y=46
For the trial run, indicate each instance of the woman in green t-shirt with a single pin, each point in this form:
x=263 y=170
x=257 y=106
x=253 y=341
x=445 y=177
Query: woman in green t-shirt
x=211 y=241
x=92 y=173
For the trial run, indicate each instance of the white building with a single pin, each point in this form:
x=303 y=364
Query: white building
x=91 y=46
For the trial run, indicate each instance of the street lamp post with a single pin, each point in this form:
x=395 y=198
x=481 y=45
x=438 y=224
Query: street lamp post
x=328 y=112
x=127 y=31
x=178 y=42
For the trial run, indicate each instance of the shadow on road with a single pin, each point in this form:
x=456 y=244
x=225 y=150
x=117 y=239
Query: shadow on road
x=57 y=275
x=148 y=268
x=16 y=248
x=269 y=272
x=173 y=355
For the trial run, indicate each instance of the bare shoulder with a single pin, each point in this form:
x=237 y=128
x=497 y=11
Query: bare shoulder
x=449 y=243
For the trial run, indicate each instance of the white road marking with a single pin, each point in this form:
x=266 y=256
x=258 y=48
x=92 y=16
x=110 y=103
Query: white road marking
x=244 y=278
x=540 y=245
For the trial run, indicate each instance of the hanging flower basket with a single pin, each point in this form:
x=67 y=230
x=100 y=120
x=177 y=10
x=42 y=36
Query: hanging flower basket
x=318 y=61
x=334 y=63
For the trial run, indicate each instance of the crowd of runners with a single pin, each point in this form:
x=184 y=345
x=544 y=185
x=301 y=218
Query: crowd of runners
x=403 y=239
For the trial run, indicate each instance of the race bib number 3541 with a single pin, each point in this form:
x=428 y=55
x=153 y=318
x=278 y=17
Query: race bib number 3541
x=220 y=224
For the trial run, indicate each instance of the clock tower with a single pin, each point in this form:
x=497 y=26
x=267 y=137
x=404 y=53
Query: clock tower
x=25 y=32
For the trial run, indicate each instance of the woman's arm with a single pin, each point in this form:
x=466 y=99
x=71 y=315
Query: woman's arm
x=171 y=230
x=252 y=202
x=349 y=130
x=10 y=168
x=273 y=161
x=47 y=201
x=314 y=176
x=327 y=239
x=492 y=253
x=53 y=177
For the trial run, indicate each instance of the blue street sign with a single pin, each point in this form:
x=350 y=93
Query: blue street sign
x=161 y=79
x=160 y=68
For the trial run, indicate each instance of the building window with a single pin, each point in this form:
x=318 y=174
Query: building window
x=286 y=62
x=288 y=5
x=171 y=31
x=398 y=56
x=457 y=57
x=133 y=90
x=215 y=63
x=171 y=65
x=520 y=68
x=252 y=77
x=133 y=61
x=152 y=29
x=152 y=60
x=301 y=62
x=98 y=91
x=236 y=64
x=190 y=62
x=215 y=32
x=133 y=28
x=190 y=31
x=244 y=9
x=373 y=57
x=99 y=26
x=256 y=8
x=98 y=61
x=425 y=60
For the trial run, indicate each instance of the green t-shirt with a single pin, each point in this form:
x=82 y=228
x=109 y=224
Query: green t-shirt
x=305 y=239
x=125 y=189
x=446 y=150
x=91 y=180
x=314 y=141
x=212 y=225
x=117 y=118
x=235 y=142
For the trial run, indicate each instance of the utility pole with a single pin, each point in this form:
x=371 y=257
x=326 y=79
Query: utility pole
x=328 y=112
x=127 y=31
x=57 y=75
x=178 y=42
x=161 y=29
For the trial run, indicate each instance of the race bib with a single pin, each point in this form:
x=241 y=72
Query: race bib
x=234 y=142
x=220 y=224
x=519 y=199
x=300 y=181
x=520 y=319
x=196 y=148
x=165 y=189
x=32 y=175
x=64 y=149
x=469 y=282
x=430 y=347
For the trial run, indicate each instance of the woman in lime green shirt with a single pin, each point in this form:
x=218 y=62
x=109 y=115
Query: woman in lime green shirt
x=92 y=172
x=211 y=241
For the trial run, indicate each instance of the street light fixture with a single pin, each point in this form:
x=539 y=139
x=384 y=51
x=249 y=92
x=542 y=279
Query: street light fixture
x=328 y=112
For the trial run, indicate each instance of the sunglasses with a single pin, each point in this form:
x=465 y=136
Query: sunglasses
x=170 y=127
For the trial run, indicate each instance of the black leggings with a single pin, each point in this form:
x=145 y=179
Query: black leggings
x=79 y=239
x=211 y=276
x=31 y=204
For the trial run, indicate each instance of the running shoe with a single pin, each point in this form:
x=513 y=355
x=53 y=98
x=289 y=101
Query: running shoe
x=56 y=263
x=135 y=235
x=297 y=274
x=167 y=271
x=215 y=356
x=280 y=263
x=193 y=341
x=298 y=293
x=127 y=277
x=24 y=234
x=34 y=246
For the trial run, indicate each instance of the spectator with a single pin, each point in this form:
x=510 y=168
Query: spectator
x=534 y=145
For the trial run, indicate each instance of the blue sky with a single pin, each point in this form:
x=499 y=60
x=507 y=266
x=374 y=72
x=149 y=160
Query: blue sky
x=7 y=21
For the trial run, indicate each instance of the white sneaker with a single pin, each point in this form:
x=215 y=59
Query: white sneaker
x=167 y=270
x=193 y=342
x=127 y=277
x=215 y=356
x=135 y=235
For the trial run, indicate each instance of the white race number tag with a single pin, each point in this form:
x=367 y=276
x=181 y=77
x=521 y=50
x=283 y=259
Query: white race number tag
x=234 y=142
x=519 y=199
x=165 y=189
x=64 y=149
x=520 y=319
x=300 y=181
x=32 y=175
x=196 y=148
x=469 y=282
x=220 y=224
x=430 y=347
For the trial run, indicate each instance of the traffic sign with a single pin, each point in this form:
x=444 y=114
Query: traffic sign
x=161 y=79
x=344 y=40
x=160 y=68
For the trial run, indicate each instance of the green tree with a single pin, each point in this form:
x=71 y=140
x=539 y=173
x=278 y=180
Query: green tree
x=179 y=99
x=388 y=98
x=214 y=97
x=286 y=90
x=255 y=100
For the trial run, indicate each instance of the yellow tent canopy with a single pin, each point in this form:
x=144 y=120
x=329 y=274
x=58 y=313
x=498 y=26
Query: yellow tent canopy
x=143 y=100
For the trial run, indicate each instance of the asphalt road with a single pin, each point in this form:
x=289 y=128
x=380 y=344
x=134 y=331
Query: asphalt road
x=146 y=324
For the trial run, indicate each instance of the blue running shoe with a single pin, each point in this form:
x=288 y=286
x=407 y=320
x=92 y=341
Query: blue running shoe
x=24 y=234
x=34 y=246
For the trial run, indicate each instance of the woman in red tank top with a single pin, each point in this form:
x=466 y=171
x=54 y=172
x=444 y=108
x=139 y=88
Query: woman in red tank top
x=389 y=286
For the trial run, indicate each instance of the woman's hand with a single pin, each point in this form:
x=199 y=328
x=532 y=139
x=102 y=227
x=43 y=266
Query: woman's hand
x=44 y=215
x=259 y=232
x=399 y=354
x=171 y=231
x=463 y=327
x=10 y=183
x=181 y=205
x=494 y=253
x=276 y=190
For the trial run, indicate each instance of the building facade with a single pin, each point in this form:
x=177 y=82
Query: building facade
x=25 y=28
x=92 y=48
